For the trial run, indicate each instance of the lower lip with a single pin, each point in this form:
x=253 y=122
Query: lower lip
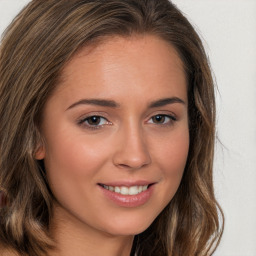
x=129 y=200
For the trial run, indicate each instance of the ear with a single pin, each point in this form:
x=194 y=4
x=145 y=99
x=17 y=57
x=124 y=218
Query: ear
x=40 y=152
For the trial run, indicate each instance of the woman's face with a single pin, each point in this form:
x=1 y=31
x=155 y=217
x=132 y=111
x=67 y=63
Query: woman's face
x=116 y=135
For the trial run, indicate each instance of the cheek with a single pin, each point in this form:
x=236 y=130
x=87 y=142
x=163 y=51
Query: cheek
x=172 y=157
x=72 y=160
x=176 y=155
x=71 y=148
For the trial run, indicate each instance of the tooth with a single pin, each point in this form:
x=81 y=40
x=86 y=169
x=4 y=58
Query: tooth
x=144 y=188
x=134 y=190
x=124 y=191
x=117 y=190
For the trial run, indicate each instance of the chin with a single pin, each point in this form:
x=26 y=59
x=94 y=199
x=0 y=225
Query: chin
x=129 y=227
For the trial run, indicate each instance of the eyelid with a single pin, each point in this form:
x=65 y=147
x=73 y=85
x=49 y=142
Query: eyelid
x=82 y=121
x=92 y=113
x=171 y=116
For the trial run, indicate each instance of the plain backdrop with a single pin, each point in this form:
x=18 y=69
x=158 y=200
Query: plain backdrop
x=228 y=30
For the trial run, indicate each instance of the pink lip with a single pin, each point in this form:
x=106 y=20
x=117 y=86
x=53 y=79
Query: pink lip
x=128 y=200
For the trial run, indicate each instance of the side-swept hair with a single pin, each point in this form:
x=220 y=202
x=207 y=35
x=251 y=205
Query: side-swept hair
x=33 y=52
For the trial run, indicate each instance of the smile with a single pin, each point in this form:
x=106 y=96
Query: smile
x=123 y=190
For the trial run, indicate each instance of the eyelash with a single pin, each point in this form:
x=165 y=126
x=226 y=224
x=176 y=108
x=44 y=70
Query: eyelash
x=169 y=122
x=85 y=121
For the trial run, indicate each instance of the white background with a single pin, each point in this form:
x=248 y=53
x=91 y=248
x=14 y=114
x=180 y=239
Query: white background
x=228 y=29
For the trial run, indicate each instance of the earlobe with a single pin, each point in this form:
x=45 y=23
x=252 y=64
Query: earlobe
x=39 y=148
x=40 y=153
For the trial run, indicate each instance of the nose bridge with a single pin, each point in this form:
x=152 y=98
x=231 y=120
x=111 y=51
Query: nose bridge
x=132 y=149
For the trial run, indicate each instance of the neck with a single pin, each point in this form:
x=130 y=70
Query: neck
x=73 y=237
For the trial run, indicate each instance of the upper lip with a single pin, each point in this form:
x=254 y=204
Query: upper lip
x=127 y=183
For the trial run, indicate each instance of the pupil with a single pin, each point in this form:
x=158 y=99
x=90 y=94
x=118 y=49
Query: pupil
x=94 y=120
x=159 y=119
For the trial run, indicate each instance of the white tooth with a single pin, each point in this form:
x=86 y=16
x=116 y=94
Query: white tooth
x=124 y=191
x=144 y=188
x=105 y=186
x=134 y=190
x=117 y=190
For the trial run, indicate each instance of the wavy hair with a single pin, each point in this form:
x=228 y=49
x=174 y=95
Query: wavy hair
x=35 y=48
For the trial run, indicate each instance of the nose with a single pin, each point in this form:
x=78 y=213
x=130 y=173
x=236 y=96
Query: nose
x=132 y=151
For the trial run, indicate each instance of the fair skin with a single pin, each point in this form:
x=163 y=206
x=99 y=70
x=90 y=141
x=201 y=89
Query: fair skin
x=117 y=121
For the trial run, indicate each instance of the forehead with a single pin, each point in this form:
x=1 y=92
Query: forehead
x=140 y=61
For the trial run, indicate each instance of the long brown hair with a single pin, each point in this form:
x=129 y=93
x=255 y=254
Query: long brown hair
x=34 y=50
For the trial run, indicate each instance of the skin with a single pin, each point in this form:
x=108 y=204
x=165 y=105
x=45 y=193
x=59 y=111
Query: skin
x=127 y=142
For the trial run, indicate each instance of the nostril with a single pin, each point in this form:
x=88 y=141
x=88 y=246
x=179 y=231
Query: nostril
x=124 y=165
x=132 y=166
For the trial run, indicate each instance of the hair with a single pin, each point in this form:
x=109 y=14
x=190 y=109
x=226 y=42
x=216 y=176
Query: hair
x=34 y=50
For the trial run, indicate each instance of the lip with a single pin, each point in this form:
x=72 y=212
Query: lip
x=128 y=201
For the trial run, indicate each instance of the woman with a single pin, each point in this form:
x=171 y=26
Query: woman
x=107 y=132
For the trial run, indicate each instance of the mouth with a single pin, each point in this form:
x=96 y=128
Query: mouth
x=126 y=191
x=128 y=194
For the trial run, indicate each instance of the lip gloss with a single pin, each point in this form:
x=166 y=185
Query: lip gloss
x=128 y=200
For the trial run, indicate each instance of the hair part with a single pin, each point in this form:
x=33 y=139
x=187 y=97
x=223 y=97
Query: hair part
x=34 y=50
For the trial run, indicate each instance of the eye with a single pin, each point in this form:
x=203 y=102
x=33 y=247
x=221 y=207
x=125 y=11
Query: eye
x=94 y=121
x=162 y=119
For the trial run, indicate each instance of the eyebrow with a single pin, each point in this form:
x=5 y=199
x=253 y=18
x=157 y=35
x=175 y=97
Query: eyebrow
x=166 y=101
x=97 y=102
x=113 y=104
